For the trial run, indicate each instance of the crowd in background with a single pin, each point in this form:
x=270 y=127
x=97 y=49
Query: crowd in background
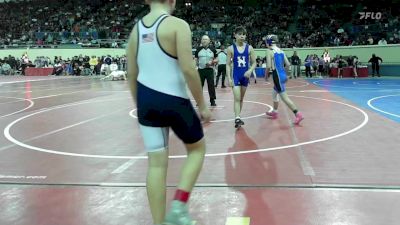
x=76 y=22
x=310 y=24
x=77 y=65
x=42 y=22
x=314 y=65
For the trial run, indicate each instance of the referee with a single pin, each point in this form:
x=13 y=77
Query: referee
x=206 y=57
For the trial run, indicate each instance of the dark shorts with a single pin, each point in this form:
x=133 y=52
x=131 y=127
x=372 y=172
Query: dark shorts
x=279 y=81
x=240 y=81
x=157 y=109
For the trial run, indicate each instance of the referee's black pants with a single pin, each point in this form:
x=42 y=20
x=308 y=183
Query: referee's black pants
x=221 y=71
x=208 y=74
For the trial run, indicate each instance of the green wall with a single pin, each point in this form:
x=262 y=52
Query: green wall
x=390 y=53
x=65 y=53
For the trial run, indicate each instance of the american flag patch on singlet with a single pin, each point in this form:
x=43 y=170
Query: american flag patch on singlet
x=147 y=38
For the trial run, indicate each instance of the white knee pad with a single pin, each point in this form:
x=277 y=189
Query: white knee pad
x=275 y=96
x=155 y=138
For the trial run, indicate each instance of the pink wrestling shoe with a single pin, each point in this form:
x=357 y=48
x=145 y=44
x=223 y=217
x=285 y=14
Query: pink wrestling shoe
x=299 y=118
x=272 y=114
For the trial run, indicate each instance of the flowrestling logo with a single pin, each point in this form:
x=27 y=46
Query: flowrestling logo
x=370 y=15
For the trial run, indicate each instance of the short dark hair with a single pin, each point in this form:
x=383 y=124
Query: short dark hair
x=240 y=30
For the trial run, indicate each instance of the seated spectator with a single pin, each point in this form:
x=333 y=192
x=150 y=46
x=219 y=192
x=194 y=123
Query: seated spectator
x=6 y=68
x=99 y=66
x=123 y=63
x=67 y=66
x=77 y=69
x=307 y=64
x=314 y=64
x=107 y=60
x=114 y=44
x=93 y=63
x=105 y=67
x=37 y=62
x=86 y=66
x=113 y=66
x=58 y=68
x=341 y=64
x=370 y=40
x=382 y=42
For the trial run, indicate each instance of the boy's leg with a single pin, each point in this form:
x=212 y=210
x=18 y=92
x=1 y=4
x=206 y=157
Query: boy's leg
x=188 y=129
x=242 y=94
x=156 y=142
x=156 y=184
x=179 y=213
x=285 y=98
x=236 y=100
x=292 y=106
x=192 y=166
x=273 y=114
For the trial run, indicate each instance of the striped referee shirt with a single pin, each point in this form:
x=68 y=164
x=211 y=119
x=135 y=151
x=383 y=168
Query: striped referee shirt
x=205 y=55
x=222 y=58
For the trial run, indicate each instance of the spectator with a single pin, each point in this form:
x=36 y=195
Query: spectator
x=99 y=66
x=307 y=64
x=375 y=64
x=58 y=68
x=217 y=44
x=38 y=62
x=25 y=61
x=321 y=66
x=114 y=44
x=370 y=40
x=382 y=42
x=93 y=63
x=341 y=63
x=123 y=63
x=76 y=66
x=108 y=60
x=68 y=69
x=337 y=41
x=327 y=60
x=221 y=66
x=13 y=63
x=6 y=68
x=113 y=66
x=350 y=60
x=86 y=66
x=314 y=64
x=295 y=61
x=355 y=66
